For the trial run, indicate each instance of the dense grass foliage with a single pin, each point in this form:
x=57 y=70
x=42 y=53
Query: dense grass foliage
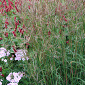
x=52 y=33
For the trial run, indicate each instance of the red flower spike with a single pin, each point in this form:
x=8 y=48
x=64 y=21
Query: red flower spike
x=67 y=41
x=23 y=26
x=1 y=38
x=5 y=26
x=2 y=75
x=55 y=11
x=63 y=26
x=10 y=2
x=15 y=25
x=16 y=9
x=14 y=49
x=14 y=33
x=64 y=18
x=28 y=6
x=0 y=69
x=13 y=13
x=22 y=31
x=49 y=33
x=27 y=43
x=30 y=0
x=6 y=34
x=6 y=22
x=14 y=18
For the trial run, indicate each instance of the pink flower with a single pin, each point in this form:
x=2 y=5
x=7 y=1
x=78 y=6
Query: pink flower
x=14 y=78
x=21 y=54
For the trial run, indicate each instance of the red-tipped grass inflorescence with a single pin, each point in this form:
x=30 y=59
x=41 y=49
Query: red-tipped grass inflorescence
x=14 y=33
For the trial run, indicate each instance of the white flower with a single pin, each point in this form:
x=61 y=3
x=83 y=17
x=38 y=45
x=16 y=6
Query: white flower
x=5 y=60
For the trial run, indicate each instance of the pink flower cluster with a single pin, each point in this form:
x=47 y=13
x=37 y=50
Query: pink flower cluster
x=4 y=52
x=21 y=54
x=14 y=77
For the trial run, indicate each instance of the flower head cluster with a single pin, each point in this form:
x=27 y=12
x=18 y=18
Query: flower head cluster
x=14 y=78
x=4 y=52
x=21 y=54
